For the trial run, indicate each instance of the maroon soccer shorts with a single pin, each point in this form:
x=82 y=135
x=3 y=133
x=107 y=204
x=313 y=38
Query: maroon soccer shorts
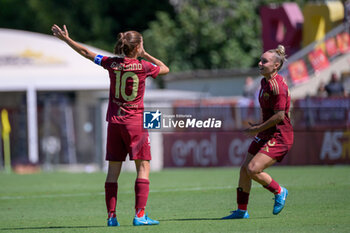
x=271 y=148
x=123 y=139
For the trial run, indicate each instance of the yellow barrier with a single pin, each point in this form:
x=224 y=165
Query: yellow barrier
x=6 y=130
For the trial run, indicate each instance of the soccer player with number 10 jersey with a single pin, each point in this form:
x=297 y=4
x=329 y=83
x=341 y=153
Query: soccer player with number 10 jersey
x=125 y=134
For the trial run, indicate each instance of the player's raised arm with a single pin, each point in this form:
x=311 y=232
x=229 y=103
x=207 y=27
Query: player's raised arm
x=63 y=35
x=163 y=68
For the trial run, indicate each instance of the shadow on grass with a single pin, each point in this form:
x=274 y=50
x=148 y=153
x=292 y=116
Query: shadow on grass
x=188 y=219
x=206 y=219
x=47 y=227
x=86 y=227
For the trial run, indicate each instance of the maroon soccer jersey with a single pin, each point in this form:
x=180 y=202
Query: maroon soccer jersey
x=127 y=87
x=274 y=96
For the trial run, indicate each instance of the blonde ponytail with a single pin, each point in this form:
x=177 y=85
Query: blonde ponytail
x=280 y=54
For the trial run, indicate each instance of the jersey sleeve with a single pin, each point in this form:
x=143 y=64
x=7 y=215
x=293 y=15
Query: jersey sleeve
x=150 y=69
x=101 y=60
x=279 y=96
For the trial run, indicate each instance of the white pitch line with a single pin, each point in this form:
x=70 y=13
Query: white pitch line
x=49 y=196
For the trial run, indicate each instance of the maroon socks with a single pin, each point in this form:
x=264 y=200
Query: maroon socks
x=141 y=195
x=273 y=187
x=242 y=199
x=111 y=190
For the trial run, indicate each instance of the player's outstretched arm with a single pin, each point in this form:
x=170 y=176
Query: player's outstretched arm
x=63 y=35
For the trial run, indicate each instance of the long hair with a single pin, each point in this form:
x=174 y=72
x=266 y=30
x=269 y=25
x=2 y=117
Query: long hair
x=127 y=42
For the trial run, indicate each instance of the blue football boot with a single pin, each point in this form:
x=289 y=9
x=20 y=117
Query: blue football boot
x=280 y=201
x=112 y=222
x=237 y=214
x=144 y=220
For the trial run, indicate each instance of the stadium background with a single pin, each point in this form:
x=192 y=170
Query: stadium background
x=53 y=105
x=56 y=101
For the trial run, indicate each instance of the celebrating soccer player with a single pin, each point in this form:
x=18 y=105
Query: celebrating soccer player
x=273 y=137
x=124 y=115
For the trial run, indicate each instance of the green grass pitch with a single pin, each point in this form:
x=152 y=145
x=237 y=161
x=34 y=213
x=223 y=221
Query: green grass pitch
x=183 y=200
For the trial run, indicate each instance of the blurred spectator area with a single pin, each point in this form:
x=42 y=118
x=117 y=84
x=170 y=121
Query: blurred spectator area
x=66 y=130
x=345 y=79
x=313 y=66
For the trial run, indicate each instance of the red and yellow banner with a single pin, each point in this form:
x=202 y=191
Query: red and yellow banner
x=331 y=47
x=318 y=59
x=298 y=71
x=343 y=42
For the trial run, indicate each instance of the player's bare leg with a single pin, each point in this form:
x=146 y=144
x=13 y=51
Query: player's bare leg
x=141 y=193
x=142 y=169
x=243 y=190
x=245 y=181
x=257 y=165
x=111 y=191
x=255 y=170
x=113 y=173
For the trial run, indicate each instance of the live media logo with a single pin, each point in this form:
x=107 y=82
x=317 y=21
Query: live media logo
x=152 y=120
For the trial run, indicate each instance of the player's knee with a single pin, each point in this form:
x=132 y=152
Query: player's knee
x=142 y=164
x=142 y=168
x=252 y=169
x=113 y=171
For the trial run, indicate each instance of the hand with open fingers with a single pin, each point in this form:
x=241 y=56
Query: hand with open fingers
x=59 y=33
x=252 y=130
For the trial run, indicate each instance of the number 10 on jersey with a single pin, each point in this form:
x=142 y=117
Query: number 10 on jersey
x=120 y=85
